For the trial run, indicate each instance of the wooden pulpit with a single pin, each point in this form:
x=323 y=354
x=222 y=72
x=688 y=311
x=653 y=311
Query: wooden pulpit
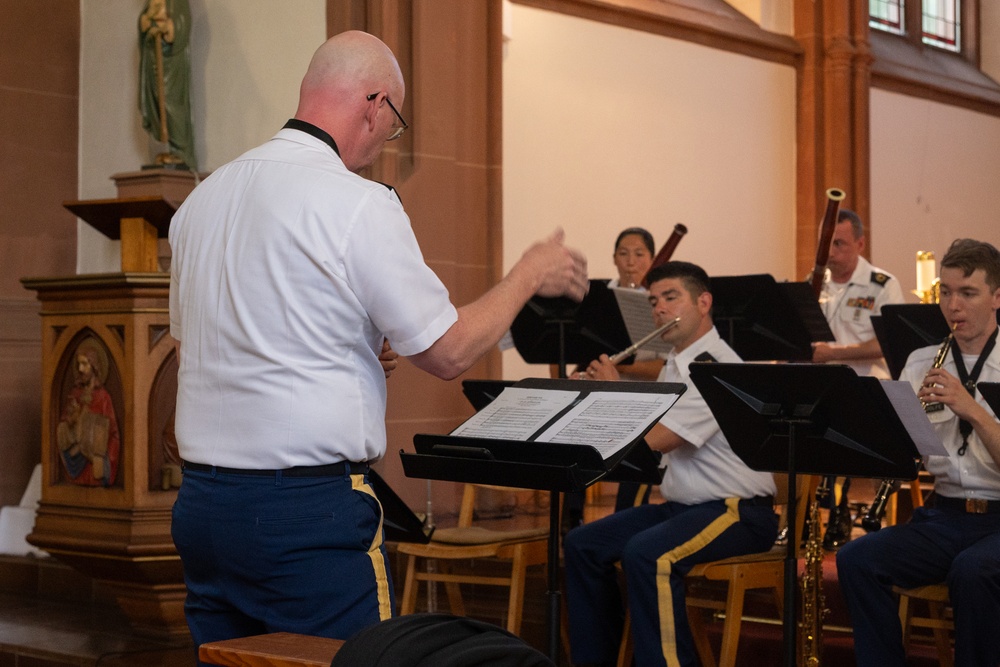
x=110 y=467
x=137 y=221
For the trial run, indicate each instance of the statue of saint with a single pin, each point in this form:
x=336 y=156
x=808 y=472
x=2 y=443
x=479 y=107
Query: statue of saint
x=165 y=79
x=87 y=434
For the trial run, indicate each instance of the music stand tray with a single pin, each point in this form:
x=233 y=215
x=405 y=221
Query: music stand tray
x=814 y=418
x=764 y=320
x=533 y=464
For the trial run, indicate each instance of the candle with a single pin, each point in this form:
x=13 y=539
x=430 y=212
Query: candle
x=926 y=270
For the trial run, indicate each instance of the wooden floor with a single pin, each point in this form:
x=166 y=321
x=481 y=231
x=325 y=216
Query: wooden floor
x=51 y=616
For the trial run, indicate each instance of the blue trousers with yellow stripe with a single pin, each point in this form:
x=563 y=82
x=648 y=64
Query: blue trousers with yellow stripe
x=657 y=546
x=272 y=554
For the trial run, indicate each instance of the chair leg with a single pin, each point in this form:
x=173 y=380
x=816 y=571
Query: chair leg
x=941 y=634
x=409 y=601
x=454 y=592
x=625 y=648
x=697 y=617
x=731 y=627
x=515 y=602
x=904 y=618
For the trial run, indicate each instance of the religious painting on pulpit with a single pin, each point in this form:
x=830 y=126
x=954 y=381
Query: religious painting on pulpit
x=164 y=459
x=87 y=435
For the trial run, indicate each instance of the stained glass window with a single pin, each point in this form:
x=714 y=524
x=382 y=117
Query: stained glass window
x=886 y=15
x=941 y=23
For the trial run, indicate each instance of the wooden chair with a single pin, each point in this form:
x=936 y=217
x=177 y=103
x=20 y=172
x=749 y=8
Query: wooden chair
x=742 y=573
x=936 y=597
x=519 y=548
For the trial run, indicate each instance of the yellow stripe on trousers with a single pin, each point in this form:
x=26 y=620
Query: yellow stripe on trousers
x=664 y=566
x=375 y=553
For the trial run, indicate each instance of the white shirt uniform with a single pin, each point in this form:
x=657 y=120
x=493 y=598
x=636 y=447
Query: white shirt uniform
x=849 y=307
x=975 y=474
x=706 y=468
x=287 y=272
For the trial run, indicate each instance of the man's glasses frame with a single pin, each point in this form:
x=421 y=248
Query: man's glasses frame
x=397 y=132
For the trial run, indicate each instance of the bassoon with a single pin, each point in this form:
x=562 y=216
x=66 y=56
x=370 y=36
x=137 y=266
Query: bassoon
x=666 y=251
x=833 y=198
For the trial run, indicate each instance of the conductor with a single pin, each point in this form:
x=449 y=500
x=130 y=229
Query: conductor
x=289 y=273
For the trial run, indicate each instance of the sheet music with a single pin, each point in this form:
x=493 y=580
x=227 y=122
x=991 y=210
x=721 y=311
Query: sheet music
x=914 y=419
x=608 y=421
x=516 y=413
x=638 y=316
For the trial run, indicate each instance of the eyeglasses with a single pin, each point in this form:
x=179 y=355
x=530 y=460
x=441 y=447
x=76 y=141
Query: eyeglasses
x=397 y=131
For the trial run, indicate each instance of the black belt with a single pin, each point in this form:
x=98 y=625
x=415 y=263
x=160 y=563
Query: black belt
x=330 y=470
x=759 y=500
x=967 y=505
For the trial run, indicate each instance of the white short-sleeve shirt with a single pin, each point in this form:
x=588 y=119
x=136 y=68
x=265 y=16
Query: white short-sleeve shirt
x=849 y=308
x=706 y=468
x=974 y=474
x=287 y=272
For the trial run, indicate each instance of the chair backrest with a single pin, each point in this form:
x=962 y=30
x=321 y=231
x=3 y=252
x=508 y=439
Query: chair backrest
x=467 y=509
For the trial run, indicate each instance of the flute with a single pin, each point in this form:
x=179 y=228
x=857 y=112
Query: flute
x=631 y=349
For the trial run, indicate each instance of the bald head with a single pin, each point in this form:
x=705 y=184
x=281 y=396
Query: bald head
x=343 y=72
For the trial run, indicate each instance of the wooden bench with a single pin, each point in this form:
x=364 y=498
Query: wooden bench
x=280 y=649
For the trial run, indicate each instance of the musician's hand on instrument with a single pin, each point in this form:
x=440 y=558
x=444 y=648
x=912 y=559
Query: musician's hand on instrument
x=388 y=358
x=940 y=386
x=602 y=369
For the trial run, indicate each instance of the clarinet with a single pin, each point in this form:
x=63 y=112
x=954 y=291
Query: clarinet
x=873 y=517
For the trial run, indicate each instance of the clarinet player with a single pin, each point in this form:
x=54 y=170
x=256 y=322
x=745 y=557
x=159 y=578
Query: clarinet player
x=955 y=537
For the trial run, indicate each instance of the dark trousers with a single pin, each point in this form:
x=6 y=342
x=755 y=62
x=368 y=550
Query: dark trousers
x=273 y=554
x=657 y=546
x=936 y=546
x=631 y=494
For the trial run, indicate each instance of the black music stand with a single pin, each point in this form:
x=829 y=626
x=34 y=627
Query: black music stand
x=763 y=319
x=550 y=466
x=902 y=328
x=813 y=418
x=561 y=331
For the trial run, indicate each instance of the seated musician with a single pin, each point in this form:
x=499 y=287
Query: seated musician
x=716 y=507
x=955 y=537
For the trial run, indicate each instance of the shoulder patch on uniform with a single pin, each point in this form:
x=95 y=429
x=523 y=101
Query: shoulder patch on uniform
x=880 y=278
x=705 y=356
x=391 y=189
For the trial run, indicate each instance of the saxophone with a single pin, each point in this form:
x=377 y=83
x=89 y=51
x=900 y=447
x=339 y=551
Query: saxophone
x=813 y=601
x=873 y=517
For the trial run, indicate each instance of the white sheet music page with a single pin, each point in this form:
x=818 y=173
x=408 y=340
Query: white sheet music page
x=914 y=419
x=516 y=413
x=638 y=317
x=608 y=421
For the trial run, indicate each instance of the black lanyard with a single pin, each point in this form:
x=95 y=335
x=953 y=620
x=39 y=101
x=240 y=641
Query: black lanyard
x=969 y=382
x=310 y=129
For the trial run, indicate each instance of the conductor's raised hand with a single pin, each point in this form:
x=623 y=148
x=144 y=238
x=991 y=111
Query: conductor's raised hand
x=557 y=269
